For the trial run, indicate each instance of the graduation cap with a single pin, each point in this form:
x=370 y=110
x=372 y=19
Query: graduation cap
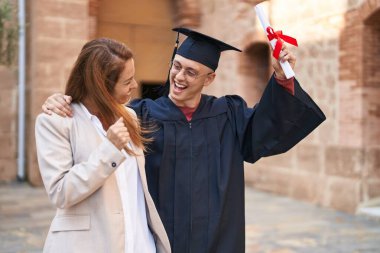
x=202 y=48
x=197 y=47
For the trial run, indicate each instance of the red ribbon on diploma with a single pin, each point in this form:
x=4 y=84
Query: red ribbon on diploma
x=279 y=36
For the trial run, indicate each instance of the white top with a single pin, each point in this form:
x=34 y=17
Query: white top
x=138 y=237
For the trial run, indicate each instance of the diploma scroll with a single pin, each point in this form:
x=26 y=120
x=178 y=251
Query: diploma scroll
x=289 y=73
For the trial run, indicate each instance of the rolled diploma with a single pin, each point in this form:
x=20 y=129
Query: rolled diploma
x=289 y=73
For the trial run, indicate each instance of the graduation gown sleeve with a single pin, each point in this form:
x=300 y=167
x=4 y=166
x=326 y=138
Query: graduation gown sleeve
x=277 y=123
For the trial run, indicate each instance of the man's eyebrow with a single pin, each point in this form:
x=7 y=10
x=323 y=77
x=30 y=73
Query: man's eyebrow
x=187 y=68
x=175 y=61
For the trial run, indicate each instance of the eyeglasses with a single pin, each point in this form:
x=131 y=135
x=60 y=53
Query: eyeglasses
x=189 y=74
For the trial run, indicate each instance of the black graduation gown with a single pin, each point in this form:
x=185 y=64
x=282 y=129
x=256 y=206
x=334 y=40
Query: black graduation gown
x=195 y=169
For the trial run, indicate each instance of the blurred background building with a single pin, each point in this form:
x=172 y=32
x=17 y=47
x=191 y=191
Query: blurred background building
x=337 y=166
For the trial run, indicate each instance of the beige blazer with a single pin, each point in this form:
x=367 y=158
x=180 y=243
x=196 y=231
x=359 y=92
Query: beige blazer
x=77 y=169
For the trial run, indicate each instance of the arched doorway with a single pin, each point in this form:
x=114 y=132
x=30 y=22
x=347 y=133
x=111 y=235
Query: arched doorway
x=360 y=84
x=145 y=27
x=254 y=68
x=371 y=101
x=371 y=78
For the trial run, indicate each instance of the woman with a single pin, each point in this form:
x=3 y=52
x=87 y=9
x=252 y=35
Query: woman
x=92 y=164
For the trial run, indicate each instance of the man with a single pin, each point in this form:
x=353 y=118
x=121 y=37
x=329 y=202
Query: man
x=194 y=165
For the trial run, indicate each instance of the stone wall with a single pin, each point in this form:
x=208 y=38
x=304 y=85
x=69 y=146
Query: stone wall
x=8 y=115
x=148 y=35
x=8 y=123
x=57 y=31
x=359 y=117
x=338 y=164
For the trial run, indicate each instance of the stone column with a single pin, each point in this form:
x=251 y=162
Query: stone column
x=57 y=31
x=8 y=123
x=8 y=94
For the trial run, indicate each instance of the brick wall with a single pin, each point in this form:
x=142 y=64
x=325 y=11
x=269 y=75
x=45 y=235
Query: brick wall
x=254 y=67
x=187 y=13
x=359 y=92
x=56 y=33
x=370 y=13
x=8 y=123
x=337 y=165
x=8 y=116
x=149 y=35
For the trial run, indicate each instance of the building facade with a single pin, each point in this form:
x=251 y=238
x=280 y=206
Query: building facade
x=337 y=166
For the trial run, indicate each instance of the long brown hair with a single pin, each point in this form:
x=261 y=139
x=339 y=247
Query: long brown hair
x=94 y=76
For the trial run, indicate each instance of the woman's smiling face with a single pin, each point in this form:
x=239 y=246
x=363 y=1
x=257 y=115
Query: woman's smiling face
x=126 y=83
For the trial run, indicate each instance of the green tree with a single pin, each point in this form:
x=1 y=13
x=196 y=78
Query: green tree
x=8 y=33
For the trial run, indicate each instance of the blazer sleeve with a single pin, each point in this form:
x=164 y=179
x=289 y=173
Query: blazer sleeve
x=67 y=183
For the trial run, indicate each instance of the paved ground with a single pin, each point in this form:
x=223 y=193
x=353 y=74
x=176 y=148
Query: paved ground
x=274 y=224
x=282 y=225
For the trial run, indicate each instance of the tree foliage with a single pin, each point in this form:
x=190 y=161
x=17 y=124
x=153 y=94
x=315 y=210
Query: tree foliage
x=8 y=33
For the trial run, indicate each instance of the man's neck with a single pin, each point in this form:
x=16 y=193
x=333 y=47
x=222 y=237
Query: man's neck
x=193 y=104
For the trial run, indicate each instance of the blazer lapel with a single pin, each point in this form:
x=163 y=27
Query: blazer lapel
x=86 y=123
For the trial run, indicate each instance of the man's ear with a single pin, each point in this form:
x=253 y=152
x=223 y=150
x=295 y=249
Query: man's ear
x=209 y=79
